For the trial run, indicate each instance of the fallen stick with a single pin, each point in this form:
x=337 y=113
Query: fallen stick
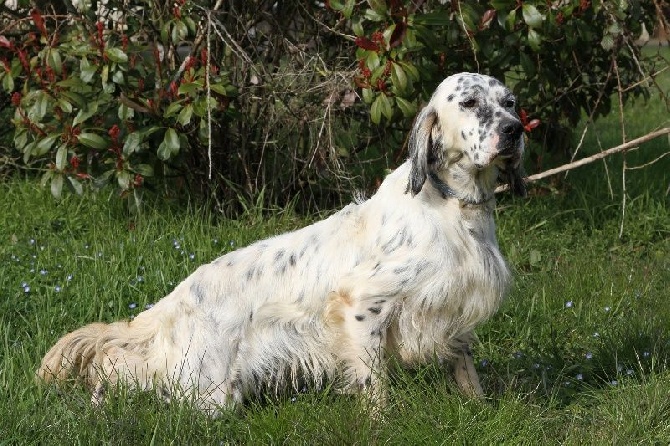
x=630 y=145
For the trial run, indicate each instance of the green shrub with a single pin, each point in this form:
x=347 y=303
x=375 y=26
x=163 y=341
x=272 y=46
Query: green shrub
x=102 y=105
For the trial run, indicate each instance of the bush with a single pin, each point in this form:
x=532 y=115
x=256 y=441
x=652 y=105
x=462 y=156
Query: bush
x=100 y=105
x=258 y=99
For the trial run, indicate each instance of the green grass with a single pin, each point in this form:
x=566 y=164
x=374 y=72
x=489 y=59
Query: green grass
x=578 y=354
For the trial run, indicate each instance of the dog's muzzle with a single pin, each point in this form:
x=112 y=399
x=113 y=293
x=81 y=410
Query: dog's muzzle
x=511 y=134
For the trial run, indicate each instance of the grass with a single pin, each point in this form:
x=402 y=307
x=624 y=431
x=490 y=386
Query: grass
x=578 y=354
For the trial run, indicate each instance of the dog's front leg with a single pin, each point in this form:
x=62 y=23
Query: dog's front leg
x=464 y=372
x=361 y=325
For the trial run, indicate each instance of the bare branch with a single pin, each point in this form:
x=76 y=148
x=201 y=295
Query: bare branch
x=630 y=145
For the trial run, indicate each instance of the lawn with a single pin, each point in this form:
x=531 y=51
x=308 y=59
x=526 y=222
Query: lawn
x=578 y=354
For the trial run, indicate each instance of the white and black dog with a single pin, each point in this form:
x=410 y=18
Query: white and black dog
x=408 y=273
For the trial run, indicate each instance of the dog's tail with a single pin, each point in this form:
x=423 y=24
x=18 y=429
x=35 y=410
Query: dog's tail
x=102 y=351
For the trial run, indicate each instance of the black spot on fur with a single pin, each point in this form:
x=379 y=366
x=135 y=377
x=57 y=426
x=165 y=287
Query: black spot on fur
x=400 y=270
x=375 y=310
x=291 y=260
x=450 y=98
x=376 y=333
x=463 y=134
x=396 y=241
x=360 y=317
x=250 y=273
x=279 y=255
x=380 y=301
x=422 y=265
x=197 y=293
x=484 y=113
x=364 y=383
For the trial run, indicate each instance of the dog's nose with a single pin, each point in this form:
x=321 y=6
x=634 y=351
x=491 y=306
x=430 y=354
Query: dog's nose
x=511 y=128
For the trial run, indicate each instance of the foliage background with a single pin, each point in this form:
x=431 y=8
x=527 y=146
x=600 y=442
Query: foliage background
x=272 y=103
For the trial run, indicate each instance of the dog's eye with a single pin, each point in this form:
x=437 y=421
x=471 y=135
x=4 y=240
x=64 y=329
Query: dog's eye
x=470 y=103
x=510 y=103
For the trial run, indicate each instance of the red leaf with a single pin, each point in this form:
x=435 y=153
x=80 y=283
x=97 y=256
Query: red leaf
x=5 y=43
x=366 y=44
x=39 y=21
x=398 y=34
x=486 y=18
x=523 y=116
x=533 y=124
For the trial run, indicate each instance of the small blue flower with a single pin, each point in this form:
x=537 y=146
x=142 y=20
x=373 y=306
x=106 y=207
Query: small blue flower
x=646 y=354
x=132 y=305
x=32 y=241
x=147 y=306
x=614 y=382
x=484 y=362
x=518 y=355
x=596 y=334
x=588 y=355
x=44 y=272
x=69 y=277
x=536 y=365
x=57 y=288
x=579 y=377
x=232 y=243
x=568 y=304
x=607 y=309
x=140 y=279
x=629 y=372
x=191 y=256
x=26 y=289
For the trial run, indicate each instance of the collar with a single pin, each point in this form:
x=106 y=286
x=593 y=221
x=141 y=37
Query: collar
x=447 y=191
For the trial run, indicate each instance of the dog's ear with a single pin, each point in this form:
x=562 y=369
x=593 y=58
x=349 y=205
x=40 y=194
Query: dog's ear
x=424 y=147
x=514 y=178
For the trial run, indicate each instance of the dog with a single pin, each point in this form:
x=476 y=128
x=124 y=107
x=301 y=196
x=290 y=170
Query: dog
x=408 y=274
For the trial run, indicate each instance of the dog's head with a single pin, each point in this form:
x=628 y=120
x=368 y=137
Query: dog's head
x=470 y=120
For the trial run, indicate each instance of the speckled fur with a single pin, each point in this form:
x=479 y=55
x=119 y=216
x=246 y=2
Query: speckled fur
x=408 y=273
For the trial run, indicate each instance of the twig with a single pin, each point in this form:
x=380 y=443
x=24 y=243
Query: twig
x=209 y=93
x=467 y=34
x=623 y=138
x=630 y=145
x=655 y=160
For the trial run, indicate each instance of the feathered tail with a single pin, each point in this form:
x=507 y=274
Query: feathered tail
x=101 y=351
